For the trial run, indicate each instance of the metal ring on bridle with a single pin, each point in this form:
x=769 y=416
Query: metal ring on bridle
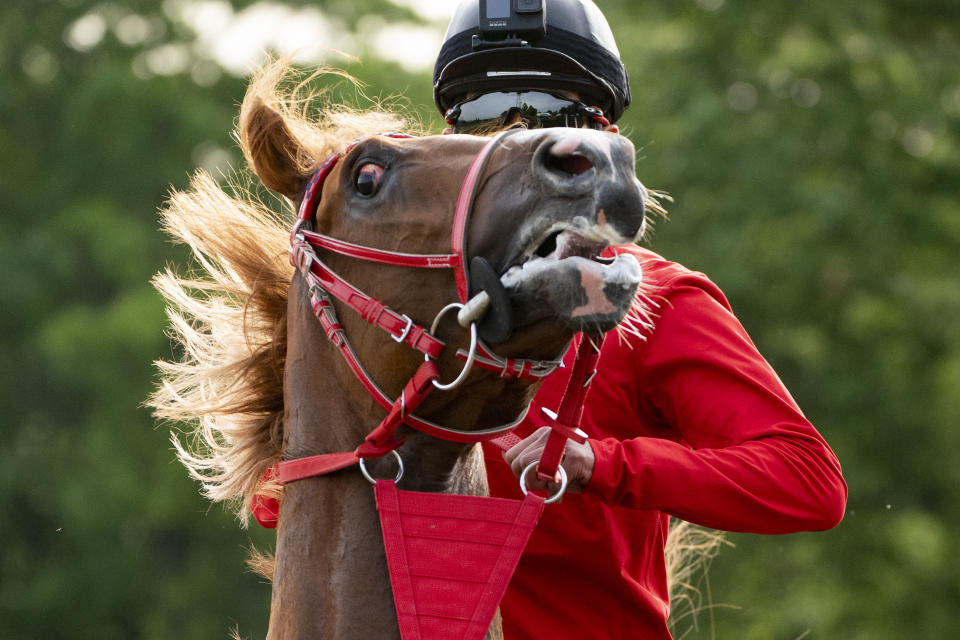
x=371 y=479
x=554 y=497
x=471 y=356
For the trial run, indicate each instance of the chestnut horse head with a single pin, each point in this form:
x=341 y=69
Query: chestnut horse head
x=529 y=230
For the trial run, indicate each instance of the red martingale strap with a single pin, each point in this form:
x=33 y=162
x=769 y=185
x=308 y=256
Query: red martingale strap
x=565 y=422
x=451 y=557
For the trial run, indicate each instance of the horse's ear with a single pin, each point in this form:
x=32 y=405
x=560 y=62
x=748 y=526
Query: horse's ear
x=271 y=148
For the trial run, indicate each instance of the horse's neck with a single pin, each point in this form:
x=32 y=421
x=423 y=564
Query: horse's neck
x=331 y=578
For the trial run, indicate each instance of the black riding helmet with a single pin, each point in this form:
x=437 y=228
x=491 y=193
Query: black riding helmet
x=577 y=53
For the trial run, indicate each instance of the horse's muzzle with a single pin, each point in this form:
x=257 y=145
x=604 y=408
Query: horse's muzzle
x=577 y=196
x=591 y=200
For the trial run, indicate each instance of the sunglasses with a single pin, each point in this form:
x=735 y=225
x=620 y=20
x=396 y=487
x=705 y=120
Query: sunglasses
x=491 y=112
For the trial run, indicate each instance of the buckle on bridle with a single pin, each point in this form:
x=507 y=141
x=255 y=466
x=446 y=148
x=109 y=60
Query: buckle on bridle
x=406 y=330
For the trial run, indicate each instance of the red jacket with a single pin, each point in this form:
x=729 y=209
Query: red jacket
x=691 y=422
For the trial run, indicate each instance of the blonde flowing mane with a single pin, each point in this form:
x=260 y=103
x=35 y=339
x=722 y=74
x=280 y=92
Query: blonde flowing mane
x=228 y=316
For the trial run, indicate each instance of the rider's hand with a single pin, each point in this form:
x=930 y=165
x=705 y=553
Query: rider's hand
x=578 y=460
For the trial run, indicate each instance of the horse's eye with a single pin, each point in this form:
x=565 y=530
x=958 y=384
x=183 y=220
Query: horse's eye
x=368 y=179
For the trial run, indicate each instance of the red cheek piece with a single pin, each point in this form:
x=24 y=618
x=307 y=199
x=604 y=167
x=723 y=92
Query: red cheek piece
x=496 y=325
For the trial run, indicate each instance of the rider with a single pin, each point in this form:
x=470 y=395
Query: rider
x=688 y=420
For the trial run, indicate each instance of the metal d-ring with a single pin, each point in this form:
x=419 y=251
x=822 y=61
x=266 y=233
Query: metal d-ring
x=371 y=479
x=554 y=497
x=471 y=356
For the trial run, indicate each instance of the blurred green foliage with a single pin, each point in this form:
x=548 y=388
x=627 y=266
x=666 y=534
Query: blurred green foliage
x=813 y=150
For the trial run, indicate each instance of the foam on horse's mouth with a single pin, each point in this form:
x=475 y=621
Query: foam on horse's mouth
x=564 y=276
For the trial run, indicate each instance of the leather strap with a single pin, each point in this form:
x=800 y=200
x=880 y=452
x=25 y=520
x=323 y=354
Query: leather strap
x=511 y=367
x=311 y=195
x=566 y=423
x=370 y=309
x=372 y=254
x=468 y=193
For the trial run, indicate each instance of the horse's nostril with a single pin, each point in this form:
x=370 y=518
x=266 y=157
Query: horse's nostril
x=569 y=163
x=572 y=163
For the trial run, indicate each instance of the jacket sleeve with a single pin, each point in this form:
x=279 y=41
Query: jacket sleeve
x=742 y=457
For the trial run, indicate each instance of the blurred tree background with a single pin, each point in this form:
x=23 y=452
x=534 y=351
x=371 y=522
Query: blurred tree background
x=813 y=150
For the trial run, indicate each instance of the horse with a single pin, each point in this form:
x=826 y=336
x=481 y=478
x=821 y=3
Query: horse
x=259 y=381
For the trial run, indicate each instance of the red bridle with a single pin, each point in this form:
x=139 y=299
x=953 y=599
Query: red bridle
x=402 y=511
x=324 y=283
